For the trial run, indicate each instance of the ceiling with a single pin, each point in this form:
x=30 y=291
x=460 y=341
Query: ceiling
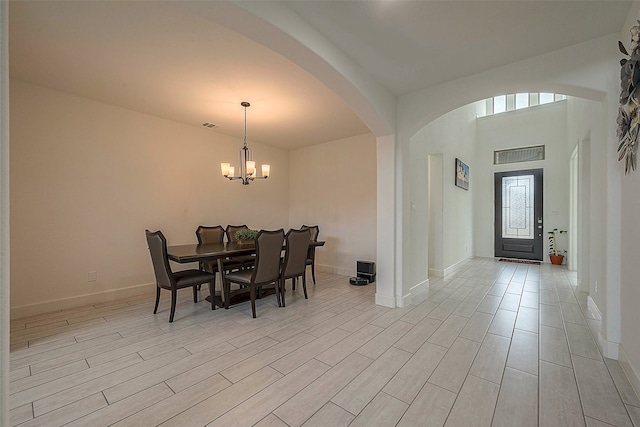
x=162 y=59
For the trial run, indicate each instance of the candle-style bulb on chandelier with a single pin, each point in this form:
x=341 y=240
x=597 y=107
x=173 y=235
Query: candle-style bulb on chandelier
x=247 y=166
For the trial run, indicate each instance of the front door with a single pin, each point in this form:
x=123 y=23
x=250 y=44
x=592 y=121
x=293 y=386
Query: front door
x=518 y=214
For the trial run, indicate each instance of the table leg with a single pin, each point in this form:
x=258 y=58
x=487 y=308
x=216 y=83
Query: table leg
x=224 y=292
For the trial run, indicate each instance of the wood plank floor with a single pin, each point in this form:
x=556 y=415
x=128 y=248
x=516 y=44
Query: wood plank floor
x=495 y=343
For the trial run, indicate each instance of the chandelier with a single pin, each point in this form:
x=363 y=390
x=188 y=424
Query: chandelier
x=247 y=166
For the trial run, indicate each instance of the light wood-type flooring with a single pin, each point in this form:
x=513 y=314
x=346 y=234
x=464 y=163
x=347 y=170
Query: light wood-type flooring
x=494 y=344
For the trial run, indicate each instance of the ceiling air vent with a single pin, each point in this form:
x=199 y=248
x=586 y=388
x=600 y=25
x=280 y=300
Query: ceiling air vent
x=515 y=155
x=209 y=125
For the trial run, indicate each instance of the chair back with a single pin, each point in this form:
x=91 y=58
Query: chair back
x=268 y=250
x=158 y=250
x=210 y=234
x=314 y=229
x=295 y=260
x=231 y=231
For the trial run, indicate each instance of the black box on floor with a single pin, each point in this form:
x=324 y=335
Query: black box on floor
x=366 y=270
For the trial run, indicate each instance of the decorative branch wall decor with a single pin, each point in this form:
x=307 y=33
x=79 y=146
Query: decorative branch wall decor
x=628 y=121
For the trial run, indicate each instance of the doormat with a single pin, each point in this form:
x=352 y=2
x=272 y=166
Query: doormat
x=521 y=261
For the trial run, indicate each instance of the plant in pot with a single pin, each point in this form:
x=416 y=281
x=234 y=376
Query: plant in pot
x=246 y=235
x=556 y=256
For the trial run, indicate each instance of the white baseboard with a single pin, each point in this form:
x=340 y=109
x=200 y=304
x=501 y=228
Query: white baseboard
x=419 y=292
x=335 y=270
x=632 y=372
x=80 y=300
x=591 y=304
x=385 y=300
x=609 y=349
x=433 y=272
x=403 y=300
x=452 y=268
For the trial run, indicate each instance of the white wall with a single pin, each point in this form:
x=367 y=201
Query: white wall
x=630 y=351
x=630 y=268
x=88 y=178
x=449 y=137
x=334 y=185
x=584 y=120
x=540 y=125
x=435 y=210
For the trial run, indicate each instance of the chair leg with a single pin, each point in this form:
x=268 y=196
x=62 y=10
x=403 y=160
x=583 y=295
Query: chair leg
x=283 y=284
x=293 y=284
x=313 y=271
x=252 y=295
x=174 y=297
x=195 y=293
x=304 y=286
x=155 y=309
x=212 y=293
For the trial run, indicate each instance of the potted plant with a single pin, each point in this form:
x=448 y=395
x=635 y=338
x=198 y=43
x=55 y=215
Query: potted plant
x=556 y=256
x=246 y=235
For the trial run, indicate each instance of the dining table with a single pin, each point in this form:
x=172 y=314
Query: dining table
x=218 y=252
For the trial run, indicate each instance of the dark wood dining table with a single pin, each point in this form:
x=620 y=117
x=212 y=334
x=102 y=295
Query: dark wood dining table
x=216 y=252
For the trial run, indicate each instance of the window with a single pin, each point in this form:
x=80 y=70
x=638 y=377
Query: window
x=499 y=104
x=515 y=155
x=517 y=207
x=522 y=100
x=516 y=101
x=546 y=98
x=534 y=99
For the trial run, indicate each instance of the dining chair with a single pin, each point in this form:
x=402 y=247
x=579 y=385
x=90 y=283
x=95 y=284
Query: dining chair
x=265 y=271
x=311 y=253
x=230 y=231
x=166 y=279
x=295 y=260
x=214 y=234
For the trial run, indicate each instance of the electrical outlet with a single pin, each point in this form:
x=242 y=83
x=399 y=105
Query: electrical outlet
x=596 y=286
x=93 y=276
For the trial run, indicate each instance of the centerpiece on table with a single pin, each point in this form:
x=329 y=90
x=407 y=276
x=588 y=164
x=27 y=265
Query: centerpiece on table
x=246 y=236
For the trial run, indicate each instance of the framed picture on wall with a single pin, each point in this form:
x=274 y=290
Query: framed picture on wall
x=462 y=174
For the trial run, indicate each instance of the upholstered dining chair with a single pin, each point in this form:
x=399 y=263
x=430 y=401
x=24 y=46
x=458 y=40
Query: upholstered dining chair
x=311 y=253
x=295 y=260
x=265 y=271
x=166 y=279
x=230 y=231
x=214 y=234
